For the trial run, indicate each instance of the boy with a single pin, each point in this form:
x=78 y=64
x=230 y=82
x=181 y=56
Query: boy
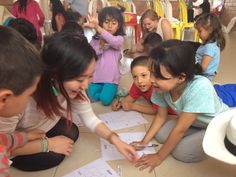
x=20 y=70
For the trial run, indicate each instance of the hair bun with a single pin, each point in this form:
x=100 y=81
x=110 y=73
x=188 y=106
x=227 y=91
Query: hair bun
x=121 y=8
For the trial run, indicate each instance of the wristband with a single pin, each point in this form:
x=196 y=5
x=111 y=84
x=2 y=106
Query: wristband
x=44 y=144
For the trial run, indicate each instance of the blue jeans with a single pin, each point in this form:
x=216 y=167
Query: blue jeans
x=104 y=92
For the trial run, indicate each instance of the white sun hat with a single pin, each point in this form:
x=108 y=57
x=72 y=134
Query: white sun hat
x=220 y=138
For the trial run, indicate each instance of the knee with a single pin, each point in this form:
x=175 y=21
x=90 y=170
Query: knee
x=188 y=156
x=161 y=138
x=74 y=132
x=106 y=101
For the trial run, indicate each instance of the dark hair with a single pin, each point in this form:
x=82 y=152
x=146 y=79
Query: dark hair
x=139 y=61
x=114 y=13
x=72 y=16
x=178 y=57
x=66 y=56
x=20 y=62
x=148 y=14
x=26 y=29
x=152 y=39
x=57 y=8
x=211 y=22
x=22 y=5
x=72 y=26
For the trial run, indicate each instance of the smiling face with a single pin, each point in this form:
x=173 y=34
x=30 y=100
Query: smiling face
x=74 y=86
x=165 y=85
x=141 y=77
x=111 y=25
x=149 y=24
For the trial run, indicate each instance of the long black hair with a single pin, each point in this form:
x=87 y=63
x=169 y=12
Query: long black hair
x=66 y=56
x=113 y=13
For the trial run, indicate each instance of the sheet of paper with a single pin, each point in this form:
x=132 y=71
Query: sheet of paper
x=109 y=151
x=121 y=119
x=97 y=168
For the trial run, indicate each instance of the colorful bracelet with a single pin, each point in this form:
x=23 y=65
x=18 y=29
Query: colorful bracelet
x=44 y=144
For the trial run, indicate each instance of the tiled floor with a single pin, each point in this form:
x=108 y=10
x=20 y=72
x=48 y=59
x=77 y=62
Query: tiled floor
x=87 y=148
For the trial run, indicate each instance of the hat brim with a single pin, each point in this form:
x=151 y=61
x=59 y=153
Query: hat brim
x=213 y=142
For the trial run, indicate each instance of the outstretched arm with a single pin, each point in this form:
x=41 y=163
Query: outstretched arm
x=153 y=160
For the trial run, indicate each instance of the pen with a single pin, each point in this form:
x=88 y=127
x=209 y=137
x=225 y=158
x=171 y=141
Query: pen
x=145 y=146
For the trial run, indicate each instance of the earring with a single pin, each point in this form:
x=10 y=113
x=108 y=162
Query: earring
x=54 y=89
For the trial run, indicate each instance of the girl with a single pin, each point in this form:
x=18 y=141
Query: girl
x=70 y=63
x=173 y=75
x=29 y=10
x=58 y=15
x=150 y=22
x=140 y=87
x=107 y=44
x=208 y=54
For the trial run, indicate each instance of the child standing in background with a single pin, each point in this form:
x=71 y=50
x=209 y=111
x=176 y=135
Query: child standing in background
x=30 y=10
x=176 y=84
x=208 y=54
x=110 y=28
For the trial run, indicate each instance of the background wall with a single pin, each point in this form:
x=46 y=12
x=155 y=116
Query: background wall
x=228 y=12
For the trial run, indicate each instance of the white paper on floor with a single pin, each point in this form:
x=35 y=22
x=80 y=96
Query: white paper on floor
x=97 y=168
x=109 y=151
x=121 y=119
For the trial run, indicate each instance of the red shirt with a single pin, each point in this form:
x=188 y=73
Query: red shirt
x=135 y=93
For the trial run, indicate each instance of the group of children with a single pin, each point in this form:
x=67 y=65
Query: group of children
x=50 y=92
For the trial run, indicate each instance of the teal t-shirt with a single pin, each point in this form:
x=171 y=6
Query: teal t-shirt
x=198 y=97
x=212 y=50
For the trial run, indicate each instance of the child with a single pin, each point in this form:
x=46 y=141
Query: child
x=20 y=70
x=173 y=75
x=208 y=54
x=29 y=10
x=151 y=41
x=72 y=26
x=140 y=87
x=151 y=22
x=26 y=29
x=70 y=62
x=108 y=47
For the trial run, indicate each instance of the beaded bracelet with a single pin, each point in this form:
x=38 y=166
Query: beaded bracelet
x=44 y=144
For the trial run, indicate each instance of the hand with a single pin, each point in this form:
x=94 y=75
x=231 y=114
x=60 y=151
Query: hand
x=115 y=105
x=35 y=134
x=127 y=150
x=126 y=105
x=138 y=145
x=128 y=53
x=60 y=144
x=92 y=22
x=149 y=161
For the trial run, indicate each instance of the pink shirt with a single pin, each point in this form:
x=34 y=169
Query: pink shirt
x=33 y=14
x=107 y=67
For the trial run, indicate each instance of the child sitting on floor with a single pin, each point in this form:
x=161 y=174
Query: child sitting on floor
x=20 y=70
x=141 y=87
